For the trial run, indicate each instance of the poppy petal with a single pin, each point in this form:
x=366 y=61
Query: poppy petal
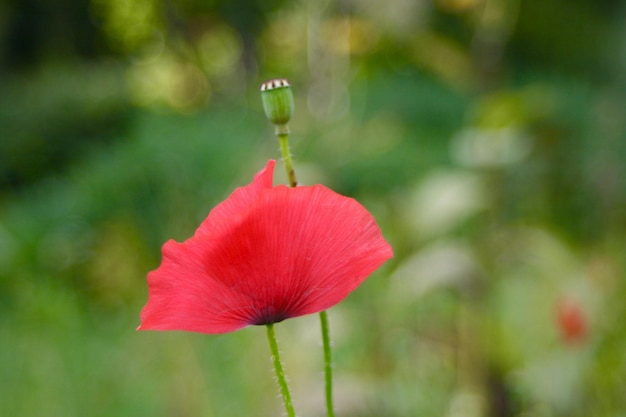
x=300 y=250
x=182 y=297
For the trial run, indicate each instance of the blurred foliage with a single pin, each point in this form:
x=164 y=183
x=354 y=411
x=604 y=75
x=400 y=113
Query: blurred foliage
x=487 y=137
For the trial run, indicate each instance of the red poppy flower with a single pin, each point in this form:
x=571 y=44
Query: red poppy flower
x=263 y=255
x=572 y=321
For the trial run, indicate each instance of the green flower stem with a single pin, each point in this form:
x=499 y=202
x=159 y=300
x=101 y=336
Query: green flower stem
x=328 y=363
x=283 y=138
x=280 y=373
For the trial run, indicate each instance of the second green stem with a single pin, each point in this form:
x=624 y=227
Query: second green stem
x=328 y=363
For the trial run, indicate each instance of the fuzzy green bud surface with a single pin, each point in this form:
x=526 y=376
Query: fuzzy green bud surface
x=277 y=101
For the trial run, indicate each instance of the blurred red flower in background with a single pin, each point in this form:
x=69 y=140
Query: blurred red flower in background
x=571 y=320
x=263 y=255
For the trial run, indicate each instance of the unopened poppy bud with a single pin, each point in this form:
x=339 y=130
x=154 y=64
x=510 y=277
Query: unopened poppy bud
x=277 y=101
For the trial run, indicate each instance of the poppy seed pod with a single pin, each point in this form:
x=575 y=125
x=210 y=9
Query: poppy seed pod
x=277 y=101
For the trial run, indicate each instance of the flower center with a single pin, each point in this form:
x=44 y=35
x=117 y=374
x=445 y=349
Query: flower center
x=268 y=315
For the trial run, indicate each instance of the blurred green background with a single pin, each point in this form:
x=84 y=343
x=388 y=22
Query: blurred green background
x=488 y=137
